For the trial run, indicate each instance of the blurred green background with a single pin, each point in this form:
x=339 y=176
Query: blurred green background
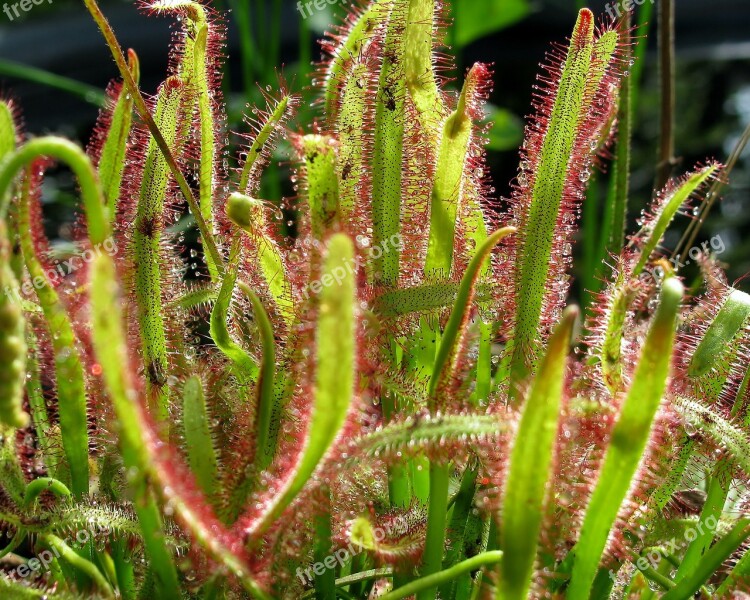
x=270 y=37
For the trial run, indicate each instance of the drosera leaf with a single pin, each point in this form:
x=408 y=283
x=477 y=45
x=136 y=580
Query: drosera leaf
x=450 y=171
x=320 y=155
x=12 y=341
x=673 y=198
x=388 y=146
x=416 y=436
x=419 y=67
x=195 y=297
x=628 y=442
x=335 y=340
x=268 y=411
x=8 y=129
x=710 y=562
x=69 y=555
x=358 y=37
x=250 y=175
x=729 y=321
x=12 y=479
x=245 y=365
x=199 y=443
x=111 y=164
x=250 y=215
x=69 y=372
x=70 y=154
x=423 y=298
x=98 y=230
x=530 y=462
x=553 y=179
x=351 y=125
x=207 y=119
x=723 y=432
x=445 y=366
x=428 y=582
x=147 y=249
x=140 y=444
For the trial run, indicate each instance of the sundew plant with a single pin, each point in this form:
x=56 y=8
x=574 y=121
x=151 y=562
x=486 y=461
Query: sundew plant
x=398 y=400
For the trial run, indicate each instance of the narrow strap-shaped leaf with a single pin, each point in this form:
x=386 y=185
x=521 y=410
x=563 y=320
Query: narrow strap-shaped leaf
x=423 y=298
x=530 y=462
x=249 y=214
x=444 y=361
x=419 y=68
x=268 y=411
x=388 y=149
x=147 y=229
x=722 y=432
x=710 y=562
x=350 y=127
x=199 y=443
x=352 y=46
x=207 y=120
x=44 y=484
x=49 y=437
x=611 y=350
x=414 y=437
x=450 y=170
x=98 y=229
x=245 y=365
x=249 y=179
x=335 y=340
x=584 y=68
x=8 y=130
x=112 y=160
x=138 y=442
x=709 y=370
x=442 y=373
x=68 y=554
x=322 y=183
x=70 y=154
x=654 y=230
x=12 y=480
x=629 y=439
x=717 y=490
x=739 y=574
x=195 y=298
x=69 y=372
x=461 y=527
x=729 y=321
x=12 y=341
x=430 y=581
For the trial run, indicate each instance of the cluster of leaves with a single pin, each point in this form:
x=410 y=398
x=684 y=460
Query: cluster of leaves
x=394 y=386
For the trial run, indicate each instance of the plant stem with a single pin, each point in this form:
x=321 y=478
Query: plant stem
x=432 y=581
x=436 y=520
x=74 y=559
x=688 y=238
x=667 y=78
x=140 y=105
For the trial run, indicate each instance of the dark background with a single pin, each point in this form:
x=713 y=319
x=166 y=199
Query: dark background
x=713 y=93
